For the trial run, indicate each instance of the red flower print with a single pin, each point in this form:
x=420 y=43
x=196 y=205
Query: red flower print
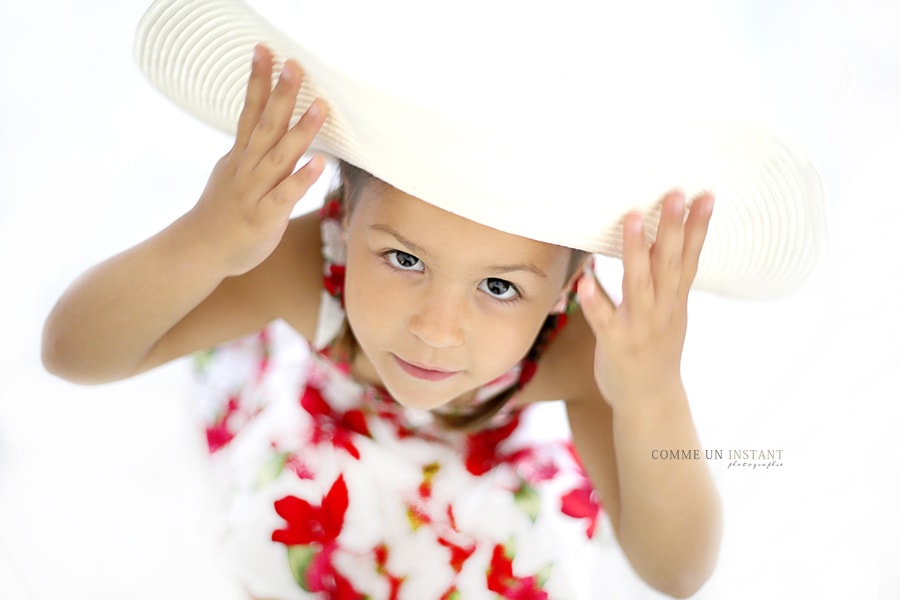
x=331 y=425
x=219 y=434
x=307 y=523
x=458 y=554
x=262 y=367
x=451 y=594
x=428 y=473
x=394 y=582
x=279 y=461
x=322 y=576
x=332 y=209
x=402 y=429
x=482 y=447
x=381 y=556
x=334 y=280
x=501 y=580
x=451 y=518
x=298 y=467
x=310 y=536
x=534 y=467
x=417 y=516
x=529 y=368
x=582 y=503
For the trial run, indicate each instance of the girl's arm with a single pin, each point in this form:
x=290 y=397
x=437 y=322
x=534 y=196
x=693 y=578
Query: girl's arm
x=666 y=513
x=215 y=272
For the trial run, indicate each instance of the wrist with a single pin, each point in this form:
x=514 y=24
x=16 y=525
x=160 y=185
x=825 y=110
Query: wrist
x=653 y=421
x=192 y=243
x=645 y=424
x=661 y=396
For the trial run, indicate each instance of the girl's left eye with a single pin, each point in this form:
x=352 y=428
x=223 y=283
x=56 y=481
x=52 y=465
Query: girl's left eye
x=404 y=261
x=499 y=289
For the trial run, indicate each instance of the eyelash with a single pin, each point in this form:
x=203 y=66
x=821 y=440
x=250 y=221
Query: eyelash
x=391 y=257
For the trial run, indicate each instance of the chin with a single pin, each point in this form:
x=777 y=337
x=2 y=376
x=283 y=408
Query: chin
x=419 y=394
x=419 y=401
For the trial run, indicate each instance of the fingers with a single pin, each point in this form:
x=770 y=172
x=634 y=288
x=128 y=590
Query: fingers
x=637 y=279
x=258 y=89
x=666 y=253
x=276 y=115
x=279 y=162
x=695 y=229
x=290 y=190
x=266 y=148
x=663 y=273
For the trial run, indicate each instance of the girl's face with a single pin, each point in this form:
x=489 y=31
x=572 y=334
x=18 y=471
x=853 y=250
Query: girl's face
x=441 y=305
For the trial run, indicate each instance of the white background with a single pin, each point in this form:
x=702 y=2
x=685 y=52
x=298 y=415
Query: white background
x=102 y=490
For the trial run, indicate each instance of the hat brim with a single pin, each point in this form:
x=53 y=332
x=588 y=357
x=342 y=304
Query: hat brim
x=490 y=158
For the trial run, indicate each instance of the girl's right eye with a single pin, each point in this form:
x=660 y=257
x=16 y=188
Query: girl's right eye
x=404 y=261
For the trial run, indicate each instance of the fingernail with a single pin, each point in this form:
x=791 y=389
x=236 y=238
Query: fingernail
x=314 y=110
x=257 y=54
x=635 y=224
x=587 y=287
x=703 y=204
x=316 y=163
x=287 y=72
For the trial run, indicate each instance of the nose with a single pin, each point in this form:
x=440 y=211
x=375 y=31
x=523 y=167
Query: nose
x=439 y=321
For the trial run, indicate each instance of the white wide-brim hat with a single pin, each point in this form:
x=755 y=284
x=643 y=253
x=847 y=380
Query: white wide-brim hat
x=546 y=120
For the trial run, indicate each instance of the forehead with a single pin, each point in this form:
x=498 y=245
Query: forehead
x=447 y=236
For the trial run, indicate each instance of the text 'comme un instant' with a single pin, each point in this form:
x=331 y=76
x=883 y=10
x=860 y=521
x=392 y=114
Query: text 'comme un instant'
x=750 y=458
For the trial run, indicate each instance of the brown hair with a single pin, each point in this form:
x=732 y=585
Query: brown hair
x=353 y=181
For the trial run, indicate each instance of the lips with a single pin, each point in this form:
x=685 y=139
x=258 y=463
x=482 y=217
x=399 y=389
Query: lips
x=425 y=373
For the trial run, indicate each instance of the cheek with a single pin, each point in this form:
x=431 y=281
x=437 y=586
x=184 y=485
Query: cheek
x=358 y=299
x=372 y=307
x=502 y=340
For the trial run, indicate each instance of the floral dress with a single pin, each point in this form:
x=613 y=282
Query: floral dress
x=333 y=490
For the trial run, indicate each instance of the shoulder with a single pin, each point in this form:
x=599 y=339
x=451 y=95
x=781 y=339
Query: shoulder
x=566 y=369
x=287 y=285
x=291 y=279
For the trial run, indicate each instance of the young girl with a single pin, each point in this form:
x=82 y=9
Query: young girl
x=391 y=460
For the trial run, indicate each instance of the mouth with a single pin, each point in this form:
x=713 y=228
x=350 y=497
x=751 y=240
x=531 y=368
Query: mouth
x=422 y=372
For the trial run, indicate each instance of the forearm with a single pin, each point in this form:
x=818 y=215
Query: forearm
x=106 y=324
x=113 y=322
x=670 y=520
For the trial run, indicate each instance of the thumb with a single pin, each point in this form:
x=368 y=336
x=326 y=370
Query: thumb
x=597 y=306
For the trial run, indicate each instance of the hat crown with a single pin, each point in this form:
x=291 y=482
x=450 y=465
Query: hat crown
x=549 y=123
x=485 y=59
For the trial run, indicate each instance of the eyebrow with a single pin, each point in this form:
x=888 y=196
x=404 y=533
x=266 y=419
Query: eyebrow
x=419 y=250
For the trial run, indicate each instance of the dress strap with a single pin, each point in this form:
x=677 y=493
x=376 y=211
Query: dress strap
x=334 y=257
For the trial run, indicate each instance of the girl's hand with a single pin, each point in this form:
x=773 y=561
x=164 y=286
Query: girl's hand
x=639 y=343
x=245 y=208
